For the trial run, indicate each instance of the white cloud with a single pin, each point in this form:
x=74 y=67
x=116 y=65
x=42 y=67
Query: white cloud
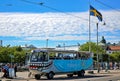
x=57 y=26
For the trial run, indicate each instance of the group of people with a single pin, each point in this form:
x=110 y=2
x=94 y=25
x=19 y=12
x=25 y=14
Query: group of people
x=6 y=70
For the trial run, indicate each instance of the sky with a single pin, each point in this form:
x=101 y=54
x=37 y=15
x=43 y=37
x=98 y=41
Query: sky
x=64 y=22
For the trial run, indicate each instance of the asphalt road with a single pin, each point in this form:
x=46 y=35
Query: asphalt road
x=113 y=75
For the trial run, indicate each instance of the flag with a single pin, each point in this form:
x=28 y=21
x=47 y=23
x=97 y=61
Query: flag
x=94 y=12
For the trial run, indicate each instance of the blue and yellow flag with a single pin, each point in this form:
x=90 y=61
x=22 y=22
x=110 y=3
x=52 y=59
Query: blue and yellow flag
x=94 y=12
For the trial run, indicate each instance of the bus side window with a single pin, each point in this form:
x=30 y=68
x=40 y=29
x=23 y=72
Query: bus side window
x=59 y=56
x=52 y=55
x=84 y=57
x=88 y=56
x=79 y=56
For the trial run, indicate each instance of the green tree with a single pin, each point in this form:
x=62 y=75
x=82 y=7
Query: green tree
x=94 y=47
x=16 y=51
x=115 y=57
x=19 y=48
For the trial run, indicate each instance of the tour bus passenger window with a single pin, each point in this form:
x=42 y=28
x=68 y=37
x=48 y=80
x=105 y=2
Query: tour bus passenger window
x=52 y=55
x=60 y=55
x=74 y=56
x=66 y=56
x=84 y=56
x=69 y=56
x=79 y=55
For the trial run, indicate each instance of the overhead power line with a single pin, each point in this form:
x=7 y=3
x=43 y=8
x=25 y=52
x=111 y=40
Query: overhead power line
x=108 y=6
x=42 y=4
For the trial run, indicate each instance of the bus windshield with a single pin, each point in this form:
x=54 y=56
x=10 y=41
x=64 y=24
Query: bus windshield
x=39 y=56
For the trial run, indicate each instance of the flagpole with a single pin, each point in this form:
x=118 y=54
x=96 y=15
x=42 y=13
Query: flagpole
x=89 y=30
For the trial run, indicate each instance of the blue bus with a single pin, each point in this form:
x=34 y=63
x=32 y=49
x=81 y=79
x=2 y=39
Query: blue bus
x=49 y=62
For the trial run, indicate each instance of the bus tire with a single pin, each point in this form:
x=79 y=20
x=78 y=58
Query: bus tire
x=70 y=75
x=50 y=75
x=37 y=76
x=81 y=73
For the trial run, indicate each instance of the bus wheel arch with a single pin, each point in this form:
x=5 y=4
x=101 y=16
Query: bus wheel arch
x=50 y=75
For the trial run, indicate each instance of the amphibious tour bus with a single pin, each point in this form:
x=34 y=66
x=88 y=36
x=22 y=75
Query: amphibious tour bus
x=49 y=62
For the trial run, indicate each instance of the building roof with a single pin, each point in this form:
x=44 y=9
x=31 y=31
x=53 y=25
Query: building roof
x=114 y=48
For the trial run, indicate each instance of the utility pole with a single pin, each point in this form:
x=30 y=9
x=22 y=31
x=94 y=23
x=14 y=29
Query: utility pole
x=98 y=67
x=46 y=43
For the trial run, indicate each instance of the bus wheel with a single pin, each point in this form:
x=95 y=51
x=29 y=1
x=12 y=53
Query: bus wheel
x=81 y=73
x=37 y=76
x=50 y=75
x=70 y=75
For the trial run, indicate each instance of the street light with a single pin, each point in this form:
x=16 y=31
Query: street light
x=64 y=45
x=98 y=67
x=46 y=43
x=11 y=56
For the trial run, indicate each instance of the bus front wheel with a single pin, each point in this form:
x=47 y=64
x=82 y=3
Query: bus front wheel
x=50 y=75
x=37 y=76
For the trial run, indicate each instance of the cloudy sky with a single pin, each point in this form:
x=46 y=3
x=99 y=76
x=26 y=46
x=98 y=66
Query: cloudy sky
x=33 y=21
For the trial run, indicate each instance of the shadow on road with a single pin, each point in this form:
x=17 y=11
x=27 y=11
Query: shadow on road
x=62 y=77
x=75 y=77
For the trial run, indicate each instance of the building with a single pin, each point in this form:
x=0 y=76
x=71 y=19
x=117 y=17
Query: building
x=28 y=47
x=71 y=47
x=111 y=49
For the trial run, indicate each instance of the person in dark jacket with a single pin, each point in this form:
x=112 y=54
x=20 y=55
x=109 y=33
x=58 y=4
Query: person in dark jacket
x=15 y=69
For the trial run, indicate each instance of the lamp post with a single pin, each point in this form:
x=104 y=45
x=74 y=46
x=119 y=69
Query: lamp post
x=64 y=45
x=11 y=56
x=98 y=67
x=46 y=43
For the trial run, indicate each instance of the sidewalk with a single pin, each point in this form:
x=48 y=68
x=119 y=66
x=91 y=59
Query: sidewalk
x=23 y=76
x=103 y=71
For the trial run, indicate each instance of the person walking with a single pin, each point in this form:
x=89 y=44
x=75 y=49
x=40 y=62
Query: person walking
x=6 y=70
x=15 y=69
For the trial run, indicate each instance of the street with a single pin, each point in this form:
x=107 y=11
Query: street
x=113 y=75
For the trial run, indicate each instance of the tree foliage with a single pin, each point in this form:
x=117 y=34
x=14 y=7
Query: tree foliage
x=115 y=56
x=17 y=52
x=94 y=49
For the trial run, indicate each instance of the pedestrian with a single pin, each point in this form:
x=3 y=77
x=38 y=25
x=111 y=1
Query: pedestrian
x=15 y=69
x=6 y=70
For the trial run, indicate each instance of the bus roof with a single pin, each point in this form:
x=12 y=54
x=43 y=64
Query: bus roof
x=59 y=51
